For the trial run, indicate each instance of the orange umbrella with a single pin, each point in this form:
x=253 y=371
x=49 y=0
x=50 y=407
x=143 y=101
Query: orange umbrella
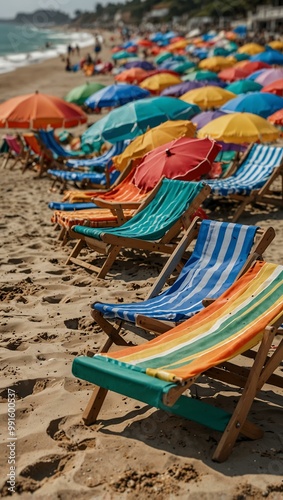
x=40 y=111
x=274 y=87
x=145 y=43
x=132 y=75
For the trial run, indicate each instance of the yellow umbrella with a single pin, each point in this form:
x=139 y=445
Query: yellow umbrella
x=181 y=44
x=251 y=48
x=239 y=128
x=276 y=44
x=216 y=63
x=208 y=97
x=156 y=83
x=153 y=138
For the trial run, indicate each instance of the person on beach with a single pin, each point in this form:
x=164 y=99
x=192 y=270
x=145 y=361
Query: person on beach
x=78 y=50
x=97 y=47
x=68 y=66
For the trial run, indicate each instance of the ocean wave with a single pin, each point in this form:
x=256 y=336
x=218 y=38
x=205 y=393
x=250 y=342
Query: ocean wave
x=10 y=62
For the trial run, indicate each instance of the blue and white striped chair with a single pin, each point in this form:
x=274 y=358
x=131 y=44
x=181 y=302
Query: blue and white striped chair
x=222 y=252
x=252 y=180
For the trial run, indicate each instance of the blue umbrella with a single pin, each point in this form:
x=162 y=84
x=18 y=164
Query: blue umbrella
x=269 y=57
x=116 y=95
x=134 y=118
x=263 y=104
x=146 y=65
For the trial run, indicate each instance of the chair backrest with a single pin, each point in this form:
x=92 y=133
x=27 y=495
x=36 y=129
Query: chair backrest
x=13 y=144
x=32 y=142
x=49 y=141
x=253 y=173
x=161 y=213
x=232 y=324
x=125 y=191
x=221 y=252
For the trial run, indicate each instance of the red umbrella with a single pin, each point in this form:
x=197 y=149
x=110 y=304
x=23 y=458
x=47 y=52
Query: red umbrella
x=185 y=159
x=232 y=74
x=145 y=43
x=251 y=66
x=40 y=111
x=274 y=88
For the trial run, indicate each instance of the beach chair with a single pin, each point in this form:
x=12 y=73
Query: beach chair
x=154 y=227
x=49 y=141
x=15 y=151
x=40 y=158
x=99 y=161
x=252 y=181
x=222 y=252
x=158 y=372
x=102 y=180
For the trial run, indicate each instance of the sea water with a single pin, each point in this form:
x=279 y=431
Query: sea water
x=21 y=45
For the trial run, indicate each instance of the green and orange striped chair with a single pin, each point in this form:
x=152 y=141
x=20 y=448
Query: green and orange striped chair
x=158 y=372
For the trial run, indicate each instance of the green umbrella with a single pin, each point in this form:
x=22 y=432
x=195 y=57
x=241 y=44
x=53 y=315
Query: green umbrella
x=78 y=95
x=134 y=118
x=243 y=86
x=183 y=67
x=123 y=54
x=200 y=75
x=163 y=56
x=241 y=57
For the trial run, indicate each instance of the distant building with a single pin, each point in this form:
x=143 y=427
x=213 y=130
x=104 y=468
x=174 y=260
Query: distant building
x=267 y=18
x=158 y=12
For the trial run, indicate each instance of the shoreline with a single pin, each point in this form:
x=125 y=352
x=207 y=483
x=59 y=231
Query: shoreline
x=49 y=76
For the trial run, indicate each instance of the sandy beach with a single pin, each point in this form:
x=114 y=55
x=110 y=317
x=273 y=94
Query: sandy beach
x=133 y=450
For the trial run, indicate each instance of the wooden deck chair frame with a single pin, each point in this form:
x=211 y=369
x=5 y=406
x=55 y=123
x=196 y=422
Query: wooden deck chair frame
x=117 y=208
x=111 y=244
x=250 y=380
x=263 y=239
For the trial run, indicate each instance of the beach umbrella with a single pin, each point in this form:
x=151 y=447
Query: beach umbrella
x=134 y=118
x=276 y=44
x=240 y=128
x=253 y=76
x=163 y=56
x=146 y=65
x=208 y=97
x=206 y=117
x=183 y=67
x=270 y=57
x=232 y=74
x=115 y=95
x=276 y=118
x=40 y=111
x=259 y=103
x=270 y=75
x=241 y=57
x=274 y=87
x=243 y=86
x=156 y=83
x=200 y=75
x=144 y=42
x=181 y=88
x=160 y=71
x=251 y=49
x=184 y=159
x=152 y=139
x=181 y=44
x=216 y=63
x=79 y=94
x=250 y=67
x=122 y=54
x=132 y=75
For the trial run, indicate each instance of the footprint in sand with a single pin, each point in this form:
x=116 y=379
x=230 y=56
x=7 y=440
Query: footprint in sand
x=24 y=388
x=70 y=436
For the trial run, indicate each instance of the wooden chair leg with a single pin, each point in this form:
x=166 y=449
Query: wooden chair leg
x=76 y=250
x=94 y=405
x=241 y=208
x=242 y=409
x=109 y=261
x=110 y=330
